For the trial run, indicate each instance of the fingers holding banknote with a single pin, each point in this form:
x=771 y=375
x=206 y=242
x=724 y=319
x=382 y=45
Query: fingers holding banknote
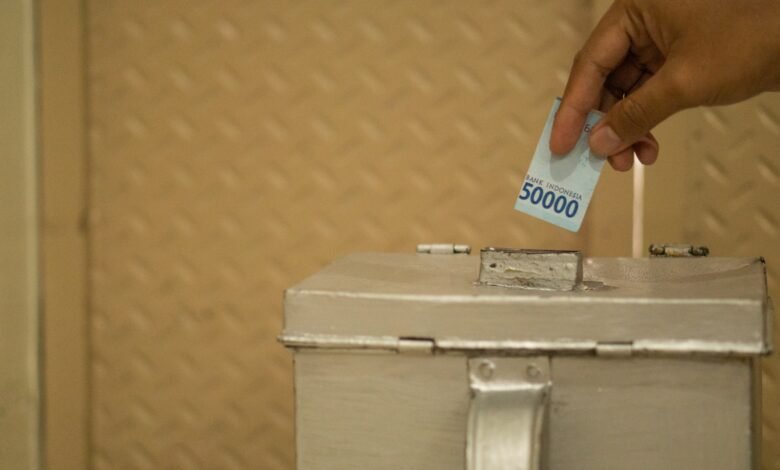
x=647 y=60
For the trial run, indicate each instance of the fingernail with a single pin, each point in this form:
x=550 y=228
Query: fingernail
x=605 y=142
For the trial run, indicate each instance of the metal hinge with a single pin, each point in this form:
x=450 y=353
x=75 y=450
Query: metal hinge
x=615 y=348
x=677 y=251
x=443 y=249
x=411 y=345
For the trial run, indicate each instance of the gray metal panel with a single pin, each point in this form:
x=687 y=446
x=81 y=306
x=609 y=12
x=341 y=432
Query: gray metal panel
x=667 y=305
x=398 y=274
x=389 y=411
x=650 y=414
x=380 y=411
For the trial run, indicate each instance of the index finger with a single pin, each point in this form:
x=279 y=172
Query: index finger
x=603 y=52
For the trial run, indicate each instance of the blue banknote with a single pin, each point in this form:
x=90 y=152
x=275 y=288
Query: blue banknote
x=557 y=189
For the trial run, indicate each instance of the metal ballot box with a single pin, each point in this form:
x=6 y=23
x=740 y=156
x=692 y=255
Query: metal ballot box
x=521 y=359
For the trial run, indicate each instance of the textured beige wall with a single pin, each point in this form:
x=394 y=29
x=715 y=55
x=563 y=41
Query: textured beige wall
x=717 y=183
x=63 y=175
x=19 y=319
x=236 y=147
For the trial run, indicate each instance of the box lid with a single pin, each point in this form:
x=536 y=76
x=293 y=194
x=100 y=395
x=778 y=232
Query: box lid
x=648 y=305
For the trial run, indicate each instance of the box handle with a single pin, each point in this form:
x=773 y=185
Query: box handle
x=509 y=397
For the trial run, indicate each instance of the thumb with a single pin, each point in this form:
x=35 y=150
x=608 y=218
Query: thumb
x=636 y=114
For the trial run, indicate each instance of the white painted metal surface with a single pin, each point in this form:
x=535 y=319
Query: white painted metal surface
x=404 y=362
x=709 y=305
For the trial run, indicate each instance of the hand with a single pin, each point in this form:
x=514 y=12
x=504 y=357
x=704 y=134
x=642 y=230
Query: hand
x=647 y=60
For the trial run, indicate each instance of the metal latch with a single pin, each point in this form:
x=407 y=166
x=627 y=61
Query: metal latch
x=443 y=249
x=615 y=348
x=414 y=345
x=509 y=397
x=677 y=251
